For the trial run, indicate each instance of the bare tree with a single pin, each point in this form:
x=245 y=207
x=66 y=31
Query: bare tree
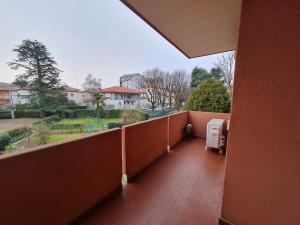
x=169 y=86
x=91 y=83
x=151 y=83
x=181 y=87
x=164 y=89
x=226 y=64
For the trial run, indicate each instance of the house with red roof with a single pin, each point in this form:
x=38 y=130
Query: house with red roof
x=121 y=97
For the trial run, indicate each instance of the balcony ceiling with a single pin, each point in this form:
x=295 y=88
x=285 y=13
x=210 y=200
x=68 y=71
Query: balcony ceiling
x=195 y=27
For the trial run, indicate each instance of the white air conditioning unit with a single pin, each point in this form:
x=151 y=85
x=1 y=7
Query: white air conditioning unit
x=213 y=134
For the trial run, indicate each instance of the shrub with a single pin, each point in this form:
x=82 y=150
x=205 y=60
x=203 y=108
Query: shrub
x=209 y=96
x=143 y=115
x=114 y=113
x=84 y=113
x=114 y=125
x=5 y=114
x=4 y=141
x=131 y=116
x=19 y=134
x=50 y=112
x=69 y=127
x=42 y=131
x=27 y=114
x=73 y=107
x=52 y=119
x=49 y=120
x=23 y=107
x=67 y=113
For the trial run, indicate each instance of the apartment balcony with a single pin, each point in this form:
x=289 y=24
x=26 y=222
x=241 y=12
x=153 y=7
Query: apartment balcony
x=182 y=187
x=171 y=181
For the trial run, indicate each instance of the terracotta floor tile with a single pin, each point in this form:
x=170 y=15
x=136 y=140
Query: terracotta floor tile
x=182 y=188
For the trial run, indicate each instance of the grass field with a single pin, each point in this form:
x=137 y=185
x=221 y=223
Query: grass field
x=33 y=141
x=64 y=134
x=97 y=124
x=53 y=138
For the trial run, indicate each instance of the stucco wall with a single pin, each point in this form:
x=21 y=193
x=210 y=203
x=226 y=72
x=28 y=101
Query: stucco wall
x=54 y=184
x=144 y=142
x=199 y=121
x=262 y=179
x=177 y=122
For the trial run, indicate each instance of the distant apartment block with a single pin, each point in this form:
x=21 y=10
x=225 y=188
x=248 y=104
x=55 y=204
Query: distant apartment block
x=130 y=80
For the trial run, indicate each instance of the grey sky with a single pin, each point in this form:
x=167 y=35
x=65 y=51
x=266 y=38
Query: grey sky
x=102 y=37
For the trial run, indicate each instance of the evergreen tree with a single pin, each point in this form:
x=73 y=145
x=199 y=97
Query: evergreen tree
x=209 y=96
x=199 y=75
x=40 y=72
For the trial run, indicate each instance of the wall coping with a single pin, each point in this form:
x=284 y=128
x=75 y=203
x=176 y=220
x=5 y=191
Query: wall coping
x=47 y=146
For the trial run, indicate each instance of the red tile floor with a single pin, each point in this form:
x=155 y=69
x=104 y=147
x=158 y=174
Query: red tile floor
x=184 y=187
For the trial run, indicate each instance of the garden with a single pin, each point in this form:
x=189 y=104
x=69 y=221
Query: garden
x=64 y=126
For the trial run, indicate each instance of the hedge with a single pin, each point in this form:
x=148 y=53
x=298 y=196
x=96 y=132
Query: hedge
x=27 y=114
x=69 y=127
x=68 y=113
x=73 y=107
x=50 y=112
x=49 y=120
x=5 y=114
x=4 y=141
x=19 y=134
x=113 y=113
x=114 y=125
x=78 y=113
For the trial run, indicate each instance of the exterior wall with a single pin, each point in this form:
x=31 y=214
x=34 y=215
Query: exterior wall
x=22 y=96
x=78 y=97
x=262 y=181
x=177 y=122
x=122 y=100
x=8 y=97
x=4 y=97
x=143 y=143
x=54 y=184
x=199 y=121
x=130 y=81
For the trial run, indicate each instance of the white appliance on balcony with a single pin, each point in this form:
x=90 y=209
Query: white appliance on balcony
x=214 y=133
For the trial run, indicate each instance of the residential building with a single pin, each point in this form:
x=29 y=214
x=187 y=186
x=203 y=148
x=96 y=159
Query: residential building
x=11 y=95
x=22 y=95
x=131 y=81
x=121 y=97
x=76 y=95
x=8 y=94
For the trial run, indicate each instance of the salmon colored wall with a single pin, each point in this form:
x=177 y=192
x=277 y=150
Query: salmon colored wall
x=144 y=142
x=53 y=185
x=262 y=179
x=199 y=121
x=176 y=123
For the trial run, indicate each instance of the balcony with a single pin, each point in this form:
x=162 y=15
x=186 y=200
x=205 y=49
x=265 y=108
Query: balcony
x=57 y=184
x=182 y=187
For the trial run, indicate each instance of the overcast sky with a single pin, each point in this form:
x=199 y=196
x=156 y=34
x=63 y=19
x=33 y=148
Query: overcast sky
x=101 y=37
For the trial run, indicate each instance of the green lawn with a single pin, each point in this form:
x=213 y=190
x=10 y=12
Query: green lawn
x=56 y=136
x=97 y=124
x=88 y=120
x=53 y=138
x=33 y=141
